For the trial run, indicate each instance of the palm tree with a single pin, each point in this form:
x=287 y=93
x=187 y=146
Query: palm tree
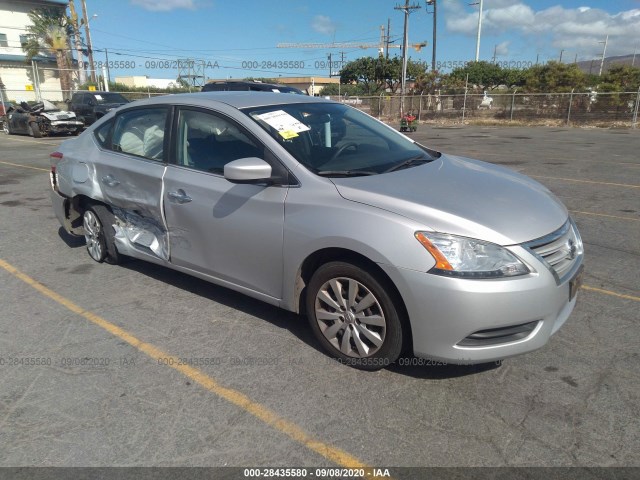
x=49 y=33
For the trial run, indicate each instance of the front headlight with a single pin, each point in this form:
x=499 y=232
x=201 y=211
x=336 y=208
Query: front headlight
x=469 y=258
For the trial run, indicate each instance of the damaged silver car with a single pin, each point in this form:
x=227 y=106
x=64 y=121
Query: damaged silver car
x=313 y=206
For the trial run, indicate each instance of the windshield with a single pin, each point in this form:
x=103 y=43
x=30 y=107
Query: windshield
x=334 y=140
x=103 y=98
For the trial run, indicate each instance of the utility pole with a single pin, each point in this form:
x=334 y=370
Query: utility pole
x=85 y=18
x=633 y=61
x=388 y=40
x=434 y=4
x=330 y=65
x=82 y=74
x=495 y=52
x=479 y=31
x=604 y=52
x=561 y=52
x=407 y=9
x=106 y=59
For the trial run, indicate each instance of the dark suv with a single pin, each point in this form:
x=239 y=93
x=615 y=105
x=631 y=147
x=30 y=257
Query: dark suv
x=90 y=106
x=243 y=86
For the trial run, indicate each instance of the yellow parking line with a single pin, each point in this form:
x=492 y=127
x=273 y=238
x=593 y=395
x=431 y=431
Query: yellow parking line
x=587 y=181
x=606 y=215
x=33 y=142
x=613 y=294
x=334 y=454
x=24 y=166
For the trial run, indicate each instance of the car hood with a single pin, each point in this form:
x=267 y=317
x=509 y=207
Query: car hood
x=463 y=197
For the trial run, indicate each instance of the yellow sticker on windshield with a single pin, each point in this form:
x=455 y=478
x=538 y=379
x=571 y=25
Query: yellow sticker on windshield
x=288 y=134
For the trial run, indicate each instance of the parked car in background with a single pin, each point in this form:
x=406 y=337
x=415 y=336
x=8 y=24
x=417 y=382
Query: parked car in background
x=318 y=208
x=41 y=119
x=91 y=106
x=4 y=107
x=246 y=86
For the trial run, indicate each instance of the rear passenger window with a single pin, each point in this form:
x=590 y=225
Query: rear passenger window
x=102 y=133
x=140 y=132
x=208 y=142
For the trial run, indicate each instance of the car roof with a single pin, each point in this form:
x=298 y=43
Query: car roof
x=235 y=99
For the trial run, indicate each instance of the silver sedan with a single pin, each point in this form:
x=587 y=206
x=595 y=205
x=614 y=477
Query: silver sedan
x=385 y=245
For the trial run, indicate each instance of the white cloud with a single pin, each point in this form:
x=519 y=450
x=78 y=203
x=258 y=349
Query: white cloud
x=164 y=5
x=577 y=29
x=502 y=49
x=323 y=24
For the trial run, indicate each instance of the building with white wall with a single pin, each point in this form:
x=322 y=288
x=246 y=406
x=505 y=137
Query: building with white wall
x=20 y=80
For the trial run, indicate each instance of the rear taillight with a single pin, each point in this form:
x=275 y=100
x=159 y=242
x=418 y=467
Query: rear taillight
x=54 y=158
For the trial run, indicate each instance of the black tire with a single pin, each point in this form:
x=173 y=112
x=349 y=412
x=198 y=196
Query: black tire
x=384 y=310
x=105 y=236
x=75 y=133
x=34 y=130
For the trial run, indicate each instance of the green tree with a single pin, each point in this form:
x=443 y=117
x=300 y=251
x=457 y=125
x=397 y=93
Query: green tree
x=483 y=74
x=555 y=77
x=49 y=34
x=621 y=78
x=378 y=74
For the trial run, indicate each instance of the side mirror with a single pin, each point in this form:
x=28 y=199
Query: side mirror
x=248 y=170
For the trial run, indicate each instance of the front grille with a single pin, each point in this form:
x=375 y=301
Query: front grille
x=560 y=251
x=497 y=336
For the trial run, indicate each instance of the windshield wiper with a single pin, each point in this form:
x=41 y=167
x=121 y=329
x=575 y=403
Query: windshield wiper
x=412 y=162
x=345 y=173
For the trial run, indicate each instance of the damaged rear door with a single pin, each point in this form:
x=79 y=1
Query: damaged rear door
x=130 y=177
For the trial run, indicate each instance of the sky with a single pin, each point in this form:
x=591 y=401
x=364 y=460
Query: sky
x=237 y=39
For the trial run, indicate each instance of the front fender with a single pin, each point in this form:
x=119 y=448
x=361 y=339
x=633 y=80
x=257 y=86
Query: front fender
x=380 y=236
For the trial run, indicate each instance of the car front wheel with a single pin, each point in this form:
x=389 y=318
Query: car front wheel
x=354 y=316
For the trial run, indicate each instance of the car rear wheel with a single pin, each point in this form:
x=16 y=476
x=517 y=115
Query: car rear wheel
x=100 y=239
x=354 y=317
x=34 y=130
x=5 y=126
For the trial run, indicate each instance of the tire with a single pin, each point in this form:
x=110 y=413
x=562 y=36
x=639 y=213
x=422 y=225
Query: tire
x=367 y=338
x=75 y=133
x=100 y=239
x=34 y=130
x=5 y=126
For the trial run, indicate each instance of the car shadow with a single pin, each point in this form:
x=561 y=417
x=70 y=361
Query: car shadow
x=71 y=240
x=296 y=324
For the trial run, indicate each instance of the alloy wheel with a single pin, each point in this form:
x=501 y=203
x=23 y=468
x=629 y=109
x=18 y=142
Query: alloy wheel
x=350 y=317
x=92 y=232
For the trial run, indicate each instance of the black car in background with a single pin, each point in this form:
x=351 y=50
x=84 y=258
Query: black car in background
x=39 y=119
x=90 y=106
x=246 y=86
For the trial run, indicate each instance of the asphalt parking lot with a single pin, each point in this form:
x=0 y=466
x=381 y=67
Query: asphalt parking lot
x=90 y=354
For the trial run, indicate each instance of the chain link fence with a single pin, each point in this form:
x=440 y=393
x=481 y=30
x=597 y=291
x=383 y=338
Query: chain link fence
x=584 y=108
x=578 y=108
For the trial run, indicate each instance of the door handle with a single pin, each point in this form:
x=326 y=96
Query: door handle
x=180 y=196
x=110 y=181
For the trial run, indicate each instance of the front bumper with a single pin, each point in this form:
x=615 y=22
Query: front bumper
x=445 y=313
x=65 y=126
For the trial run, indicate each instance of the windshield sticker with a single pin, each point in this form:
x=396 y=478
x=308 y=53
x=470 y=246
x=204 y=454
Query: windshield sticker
x=98 y=97
x=286 y=125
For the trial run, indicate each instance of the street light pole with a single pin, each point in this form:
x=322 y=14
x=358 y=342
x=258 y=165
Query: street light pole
x=604 y=52
x=434 y=4
x=479 y=31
